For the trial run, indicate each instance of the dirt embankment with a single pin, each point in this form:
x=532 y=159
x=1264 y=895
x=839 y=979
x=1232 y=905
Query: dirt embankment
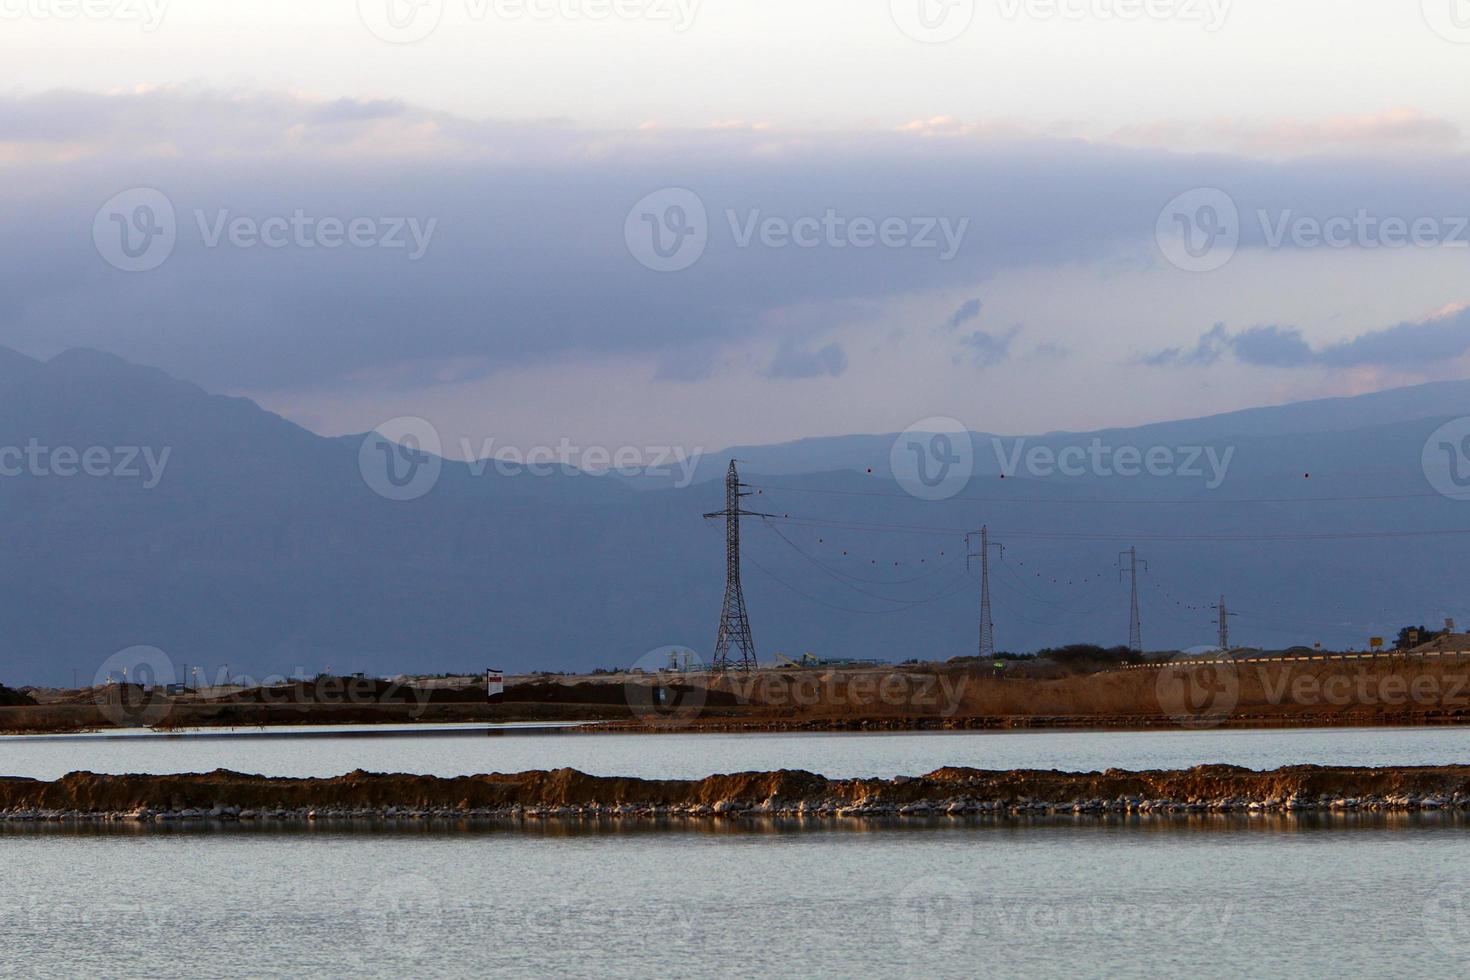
x=11 y=698
x=1298 y=692
x=568 y=793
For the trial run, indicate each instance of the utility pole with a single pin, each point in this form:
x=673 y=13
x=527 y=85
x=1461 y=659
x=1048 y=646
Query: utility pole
x=734 y=621
x=1135 y=624
x=987 y=624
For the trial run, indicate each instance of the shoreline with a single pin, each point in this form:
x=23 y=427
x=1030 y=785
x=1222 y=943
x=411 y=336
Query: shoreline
x=222 y=796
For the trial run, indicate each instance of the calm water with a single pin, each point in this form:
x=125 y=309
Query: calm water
x=1127 y=899
x=435 y=752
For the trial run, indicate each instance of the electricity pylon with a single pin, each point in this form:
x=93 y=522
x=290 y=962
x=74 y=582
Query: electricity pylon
x=1135 y=624
x=987 y=624
x=734 y=621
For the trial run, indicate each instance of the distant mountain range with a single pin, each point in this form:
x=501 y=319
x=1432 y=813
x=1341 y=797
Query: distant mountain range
x=263 y=547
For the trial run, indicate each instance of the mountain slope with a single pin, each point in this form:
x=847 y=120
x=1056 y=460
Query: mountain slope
x=261 y=545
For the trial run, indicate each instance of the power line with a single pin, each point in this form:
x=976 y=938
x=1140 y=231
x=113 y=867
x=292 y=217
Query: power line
x=857 y=612
x=837 y=578
x=1132 y=501
x=1131 y=536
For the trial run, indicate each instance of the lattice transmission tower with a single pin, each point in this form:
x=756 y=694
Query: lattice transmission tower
x=987 y=624
x=1222 y=623
x=1135 y=623
x=734 y=620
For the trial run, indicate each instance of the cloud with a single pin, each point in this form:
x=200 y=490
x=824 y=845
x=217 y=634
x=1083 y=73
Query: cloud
x=1375 y=132
x=529 y=266
x=987 y=349
x=969 y=310
x=1048 y=351
x=792 y=362
x=1412 y=346
x=1206 y=351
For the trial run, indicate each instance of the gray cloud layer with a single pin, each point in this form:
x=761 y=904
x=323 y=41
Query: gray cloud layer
x=528 y=262
x=1407 y=346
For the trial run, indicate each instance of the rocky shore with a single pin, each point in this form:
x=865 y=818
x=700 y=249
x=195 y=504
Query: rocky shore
x=568 y=794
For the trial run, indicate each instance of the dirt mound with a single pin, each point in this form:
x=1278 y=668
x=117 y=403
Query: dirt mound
x=953 y=790
x=11 y=698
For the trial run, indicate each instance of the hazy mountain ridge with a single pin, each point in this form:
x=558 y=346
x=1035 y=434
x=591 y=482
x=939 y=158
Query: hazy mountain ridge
x=263 y=547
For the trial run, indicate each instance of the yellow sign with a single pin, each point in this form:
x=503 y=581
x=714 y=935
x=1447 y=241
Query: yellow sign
x=1376 y=642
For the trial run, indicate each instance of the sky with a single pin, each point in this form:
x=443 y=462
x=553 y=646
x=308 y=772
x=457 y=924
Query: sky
x=702 y=224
